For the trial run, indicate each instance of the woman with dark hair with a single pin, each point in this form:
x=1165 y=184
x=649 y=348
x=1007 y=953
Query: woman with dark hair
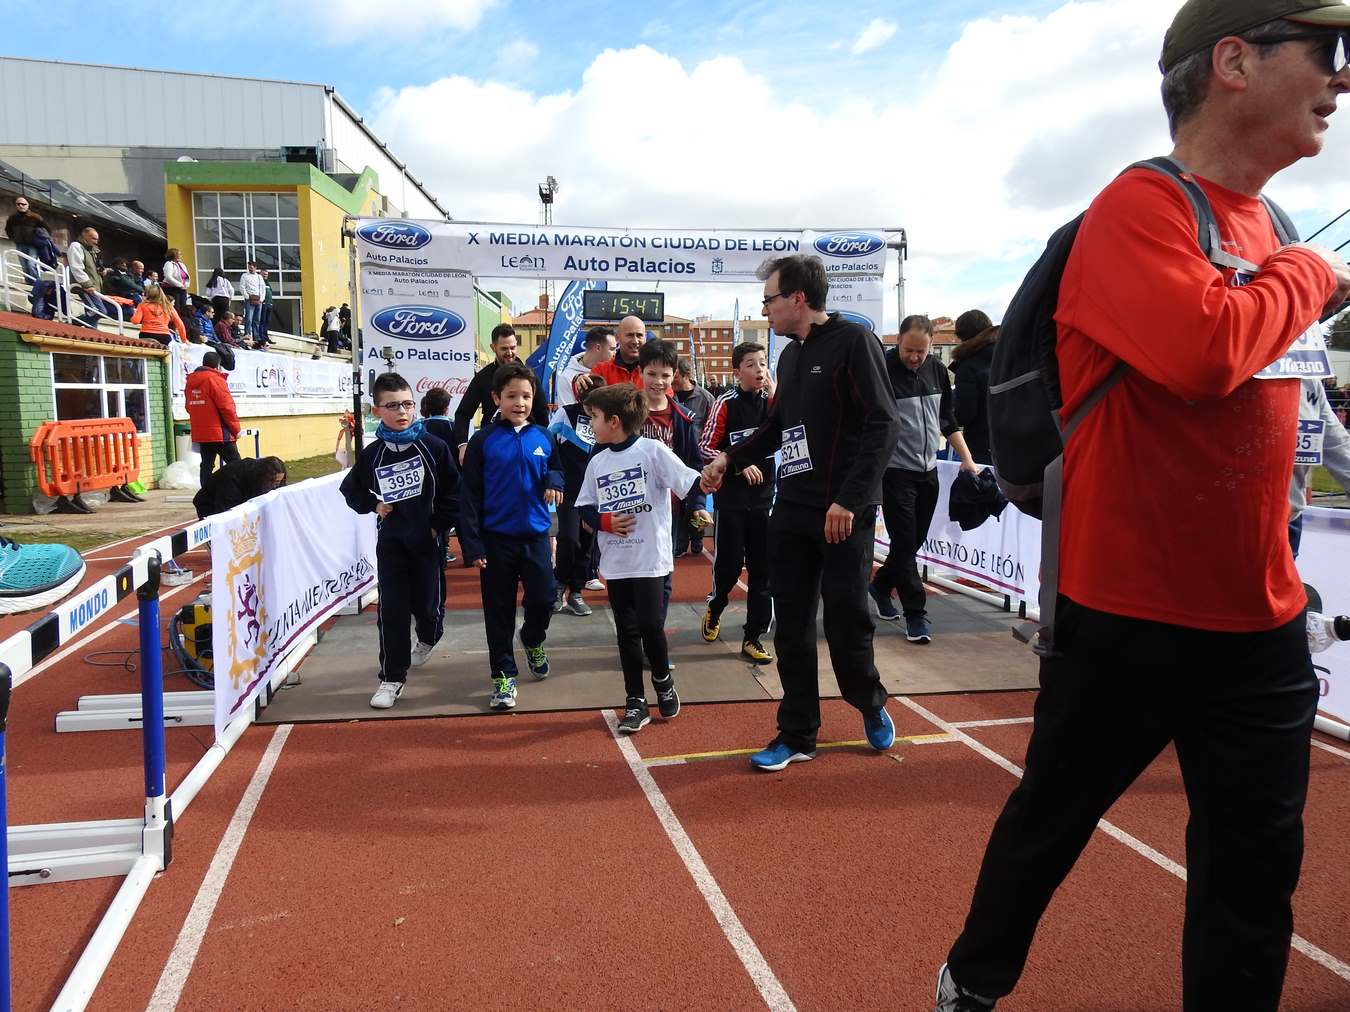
x=237 y=483
x=221 y=291
x=971 y=360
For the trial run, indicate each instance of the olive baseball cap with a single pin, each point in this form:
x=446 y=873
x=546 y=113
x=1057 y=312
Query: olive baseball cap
x=1201 y=23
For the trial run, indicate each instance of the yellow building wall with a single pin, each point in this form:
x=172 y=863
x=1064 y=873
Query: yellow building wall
x=292 y=437
x=325 y=265
x=178 y=223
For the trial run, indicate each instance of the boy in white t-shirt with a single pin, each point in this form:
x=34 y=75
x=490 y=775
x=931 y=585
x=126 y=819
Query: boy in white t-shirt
x=625 y=499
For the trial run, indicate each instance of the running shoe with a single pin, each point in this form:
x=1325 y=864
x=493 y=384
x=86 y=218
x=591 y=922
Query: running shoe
x=635 y=716
x=712 y=626
x=667 y=699
x=776 y=756
x=34 y=576
x=753 y=650
x=594 y=585
x=880 y=729
x=421 y=653
x=576 y=605
x=537 y=661
x=386 y=694
x=886 y=609
x=952 y=997
x=504 y=696
x=559 y=600
x=917 y=629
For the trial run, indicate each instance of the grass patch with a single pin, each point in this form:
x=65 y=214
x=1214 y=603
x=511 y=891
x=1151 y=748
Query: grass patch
x=311 y=467
x=80 y=540
x=1322 y=481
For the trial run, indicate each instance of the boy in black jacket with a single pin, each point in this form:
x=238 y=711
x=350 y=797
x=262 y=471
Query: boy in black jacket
x=741 y=537
x=407 y=478
x=571 y=427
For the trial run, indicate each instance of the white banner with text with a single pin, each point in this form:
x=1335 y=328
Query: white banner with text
x=1324 y=565
x=266 y=375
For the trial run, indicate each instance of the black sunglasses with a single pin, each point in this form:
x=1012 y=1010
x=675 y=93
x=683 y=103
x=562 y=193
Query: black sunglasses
x=1334 y=50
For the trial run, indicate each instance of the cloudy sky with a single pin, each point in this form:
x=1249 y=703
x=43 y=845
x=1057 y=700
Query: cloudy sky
x=977 y=128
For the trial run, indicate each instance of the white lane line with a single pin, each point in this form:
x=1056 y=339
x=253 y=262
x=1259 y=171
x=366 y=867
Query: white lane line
x=775 y=997
x=992 y=723
x=172 y=981
x=84 y=641
x=1331 y=748
x=1301 y=944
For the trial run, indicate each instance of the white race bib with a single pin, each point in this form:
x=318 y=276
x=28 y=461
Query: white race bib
x=584 y=430
x=1308 y=449
x=794 y=454
x=740 y=434
x=621 y=491
x=400 y=481
x=1307 y=356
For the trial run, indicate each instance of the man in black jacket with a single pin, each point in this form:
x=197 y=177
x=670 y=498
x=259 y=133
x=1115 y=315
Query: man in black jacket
x=833 y=420
x=971 y=360
x=478 y=398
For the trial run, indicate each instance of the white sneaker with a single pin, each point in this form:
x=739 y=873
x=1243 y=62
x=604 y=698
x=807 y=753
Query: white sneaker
x=421 y=652
x=386 y=694
x=594 y=585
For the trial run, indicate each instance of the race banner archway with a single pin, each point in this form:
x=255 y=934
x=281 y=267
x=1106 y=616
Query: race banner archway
x=416 y=277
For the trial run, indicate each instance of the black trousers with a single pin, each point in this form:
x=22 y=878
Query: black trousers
x=639 y=606
x=412 y=586
x=228 y=452
x=512 y=562
x=572 y=566
x=741 y=538
x=908 y=499
x=803 y=570
x=683 y=537
x=1239 y=708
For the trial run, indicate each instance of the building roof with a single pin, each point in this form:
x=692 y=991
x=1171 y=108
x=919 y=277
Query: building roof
x=72 y=200
x=22 y=323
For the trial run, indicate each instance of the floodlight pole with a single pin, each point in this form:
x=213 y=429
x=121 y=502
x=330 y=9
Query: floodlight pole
x=901 y=246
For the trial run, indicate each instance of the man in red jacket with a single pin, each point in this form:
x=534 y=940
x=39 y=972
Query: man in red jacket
x=215 y=423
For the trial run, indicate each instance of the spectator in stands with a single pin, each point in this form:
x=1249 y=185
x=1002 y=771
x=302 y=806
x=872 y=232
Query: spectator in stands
x=205 y=318
x=85 y=277
x=332 y=329
x=265 y=317
x=138 y=272
x=47 y=296
x=237 y=483
x=251 y=290
x=121 y=282
x=210 y=408
x=156 y=314
x=174 y=279
x=345 y=320
x=971 y=360
x=19 y=227
x=224 y=329
x=220 y=292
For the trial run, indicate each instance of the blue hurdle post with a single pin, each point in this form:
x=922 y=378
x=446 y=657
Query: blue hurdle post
x=158 y=819
x=6 y=686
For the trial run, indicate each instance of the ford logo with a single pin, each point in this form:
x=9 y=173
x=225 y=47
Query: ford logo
x=394 y=234
x=859 y=319
x=849 y=244
x=417 y=323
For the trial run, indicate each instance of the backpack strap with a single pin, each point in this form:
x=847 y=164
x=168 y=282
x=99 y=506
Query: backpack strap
x=1284 y=227
x=1207 y=226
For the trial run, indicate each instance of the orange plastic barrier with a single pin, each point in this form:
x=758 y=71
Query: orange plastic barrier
x=85 y=455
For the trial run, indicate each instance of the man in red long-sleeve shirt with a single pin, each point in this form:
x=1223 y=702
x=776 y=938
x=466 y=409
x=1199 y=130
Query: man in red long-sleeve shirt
x=1181 y=615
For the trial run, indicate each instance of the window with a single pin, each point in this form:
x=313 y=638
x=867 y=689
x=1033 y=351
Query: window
x=92 y=386
x=233 y=228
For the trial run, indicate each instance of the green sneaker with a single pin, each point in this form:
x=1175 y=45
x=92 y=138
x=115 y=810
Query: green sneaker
x=537 y=661
x=504 y=698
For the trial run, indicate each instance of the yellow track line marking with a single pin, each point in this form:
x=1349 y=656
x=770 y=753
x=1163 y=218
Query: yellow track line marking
x=673 y=760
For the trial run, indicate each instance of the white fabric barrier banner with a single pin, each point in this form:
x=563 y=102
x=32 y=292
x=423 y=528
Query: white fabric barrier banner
x=426 y=319
x=1324 y=565
x=280 y=565
x=1003 y=553
x=611 y=254
x=262 y=374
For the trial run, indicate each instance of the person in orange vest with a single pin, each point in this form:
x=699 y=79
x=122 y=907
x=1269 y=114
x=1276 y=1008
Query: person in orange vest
x=215 y=423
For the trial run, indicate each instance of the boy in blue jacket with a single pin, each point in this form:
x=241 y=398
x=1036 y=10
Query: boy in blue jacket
x=407 y=478
x=510 y=479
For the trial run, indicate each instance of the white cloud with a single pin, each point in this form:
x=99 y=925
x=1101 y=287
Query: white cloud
x=518 y=51
x=1011 y=134
x=877 y=33
x=355 y=20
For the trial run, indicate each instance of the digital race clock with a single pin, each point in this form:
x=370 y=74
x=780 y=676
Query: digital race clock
x=649 y=307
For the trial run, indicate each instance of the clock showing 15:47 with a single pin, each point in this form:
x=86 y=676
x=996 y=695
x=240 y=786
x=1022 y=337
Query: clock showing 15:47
x=608 y=305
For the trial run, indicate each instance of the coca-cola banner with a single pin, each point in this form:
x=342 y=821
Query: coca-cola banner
x=423 y=321
x=611 y=254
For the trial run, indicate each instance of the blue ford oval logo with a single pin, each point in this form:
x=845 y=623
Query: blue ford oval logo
x=394 y=234
x=849 y=244
x=859 y=319
x=417 y=323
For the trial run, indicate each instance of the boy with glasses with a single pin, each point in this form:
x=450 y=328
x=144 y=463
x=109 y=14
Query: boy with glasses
x=406 y=477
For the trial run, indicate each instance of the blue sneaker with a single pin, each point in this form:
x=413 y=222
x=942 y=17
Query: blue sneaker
x=777 y=755
x=537 y=661
x=886 y=609
x=34 y=576
x=880 y=729
x=917 y=629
